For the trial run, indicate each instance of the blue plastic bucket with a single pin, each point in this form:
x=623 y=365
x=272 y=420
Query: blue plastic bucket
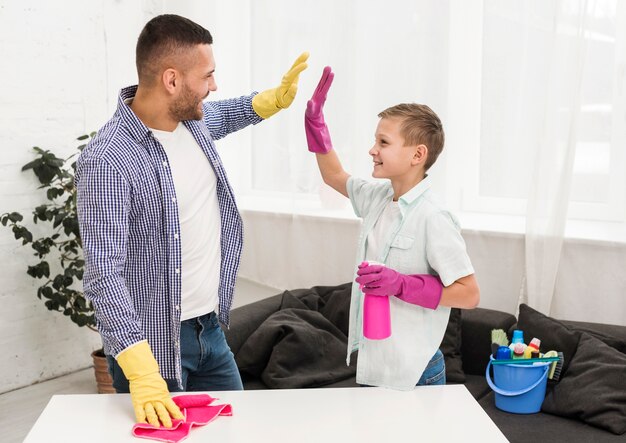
x=519 y=388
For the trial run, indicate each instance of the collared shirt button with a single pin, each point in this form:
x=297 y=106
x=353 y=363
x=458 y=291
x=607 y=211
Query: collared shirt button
x=164 y=164
x=177 y=271
x=176 y=236
x=177 y=307
x=173 y=199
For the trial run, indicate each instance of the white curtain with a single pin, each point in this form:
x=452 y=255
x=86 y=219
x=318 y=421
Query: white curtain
x=381 y=55
x=549 y=195
x=551 y=88
x=530 y=94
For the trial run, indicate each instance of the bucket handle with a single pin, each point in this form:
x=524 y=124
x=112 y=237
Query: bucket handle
x=512 y=393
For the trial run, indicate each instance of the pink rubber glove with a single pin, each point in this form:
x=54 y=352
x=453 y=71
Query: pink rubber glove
x=419 y=289
x=317 y=135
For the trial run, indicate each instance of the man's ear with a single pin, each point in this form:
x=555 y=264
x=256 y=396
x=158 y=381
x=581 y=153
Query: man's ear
x=420 y=155
x=170 y=79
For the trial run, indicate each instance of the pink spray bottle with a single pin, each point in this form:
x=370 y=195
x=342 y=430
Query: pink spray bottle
x=376 y=315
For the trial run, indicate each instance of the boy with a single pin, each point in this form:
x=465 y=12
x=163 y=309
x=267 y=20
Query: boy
x=426 y=270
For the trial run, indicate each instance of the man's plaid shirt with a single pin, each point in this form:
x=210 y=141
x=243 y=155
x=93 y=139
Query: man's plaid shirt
x=129 y=224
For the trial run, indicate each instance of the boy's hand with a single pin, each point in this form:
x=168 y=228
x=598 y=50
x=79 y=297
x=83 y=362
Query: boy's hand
x=269 y=102
x=317 y=135
x=419 y=289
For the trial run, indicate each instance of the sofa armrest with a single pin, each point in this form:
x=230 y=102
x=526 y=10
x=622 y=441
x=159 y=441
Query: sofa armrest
x=476 y=326
x=246 y=319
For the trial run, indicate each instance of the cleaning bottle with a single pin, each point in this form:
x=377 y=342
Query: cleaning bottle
x=518 y=350
x=518 y=338
x=376 y=315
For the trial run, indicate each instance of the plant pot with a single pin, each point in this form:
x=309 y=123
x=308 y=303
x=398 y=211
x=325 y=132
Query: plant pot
x=101 y=370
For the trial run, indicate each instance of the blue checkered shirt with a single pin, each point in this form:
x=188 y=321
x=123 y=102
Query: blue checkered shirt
x=129 y=224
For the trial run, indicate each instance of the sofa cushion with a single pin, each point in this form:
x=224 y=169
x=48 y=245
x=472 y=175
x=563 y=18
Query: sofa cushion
x=612 y=335
x=594 y=388
x=544 y=427
x=451 y=348
x=554 y=335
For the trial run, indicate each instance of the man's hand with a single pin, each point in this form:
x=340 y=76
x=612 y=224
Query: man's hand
x=268 y=103
x=419 y=289
x=317 y=134
x=148 y=391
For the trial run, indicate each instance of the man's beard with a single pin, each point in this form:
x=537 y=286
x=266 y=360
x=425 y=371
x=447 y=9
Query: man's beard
x=186 y=106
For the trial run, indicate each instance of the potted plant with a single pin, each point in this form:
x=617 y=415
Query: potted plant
x=59 y=250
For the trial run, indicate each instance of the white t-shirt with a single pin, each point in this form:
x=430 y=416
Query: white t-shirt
x=384 y=225
x=199 y=213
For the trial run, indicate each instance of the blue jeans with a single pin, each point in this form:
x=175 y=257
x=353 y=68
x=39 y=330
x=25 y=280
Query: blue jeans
x=207 y=362
x=435 y=372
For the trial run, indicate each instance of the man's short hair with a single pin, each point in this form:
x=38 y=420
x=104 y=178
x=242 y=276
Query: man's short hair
x=420 y=125
x=163 y=36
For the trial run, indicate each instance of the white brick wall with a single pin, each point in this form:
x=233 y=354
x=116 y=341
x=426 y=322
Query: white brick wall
x=62 y=64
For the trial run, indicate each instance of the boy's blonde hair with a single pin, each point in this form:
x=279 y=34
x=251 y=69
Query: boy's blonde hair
x=420 y=125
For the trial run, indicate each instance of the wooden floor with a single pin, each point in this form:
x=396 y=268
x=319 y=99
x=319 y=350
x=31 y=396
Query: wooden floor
x=19 y=409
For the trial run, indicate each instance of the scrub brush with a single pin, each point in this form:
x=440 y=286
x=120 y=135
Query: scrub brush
x=498 y=338
x=557 y=366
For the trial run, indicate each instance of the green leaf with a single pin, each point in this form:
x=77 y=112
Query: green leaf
x=58 y=218
x=57 y=283
x=42 y=246
x=46 y=173
x=53 y=193
x=70 y=225
x=83 y=137
x=46 y=291
x=31 y=165
x=12 y=217
x=41 y=212
x=42 y=269
x=15 y=217
x=23 y=233
x=52 y=305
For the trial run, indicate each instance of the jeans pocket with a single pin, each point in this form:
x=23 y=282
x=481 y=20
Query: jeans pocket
x=438 y=379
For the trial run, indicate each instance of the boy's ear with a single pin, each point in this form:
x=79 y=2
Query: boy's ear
x=420 y=155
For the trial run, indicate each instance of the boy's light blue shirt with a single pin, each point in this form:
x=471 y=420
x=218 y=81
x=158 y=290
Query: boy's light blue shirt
x=427 y=240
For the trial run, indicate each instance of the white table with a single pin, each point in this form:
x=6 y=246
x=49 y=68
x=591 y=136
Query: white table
x=426 y=414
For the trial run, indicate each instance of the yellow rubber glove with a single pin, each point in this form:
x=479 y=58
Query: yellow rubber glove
x=148 y=391
x=268 y=103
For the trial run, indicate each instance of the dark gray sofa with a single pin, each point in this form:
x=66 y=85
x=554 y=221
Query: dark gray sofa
x=469 y=332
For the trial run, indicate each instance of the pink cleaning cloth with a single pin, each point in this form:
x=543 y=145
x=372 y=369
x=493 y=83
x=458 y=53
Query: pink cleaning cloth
x=198 y=411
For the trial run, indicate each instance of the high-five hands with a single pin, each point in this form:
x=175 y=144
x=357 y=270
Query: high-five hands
x=317 y=134
x=268 y=103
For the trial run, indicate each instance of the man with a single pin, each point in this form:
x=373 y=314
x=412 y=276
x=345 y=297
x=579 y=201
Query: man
x=161 y=233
